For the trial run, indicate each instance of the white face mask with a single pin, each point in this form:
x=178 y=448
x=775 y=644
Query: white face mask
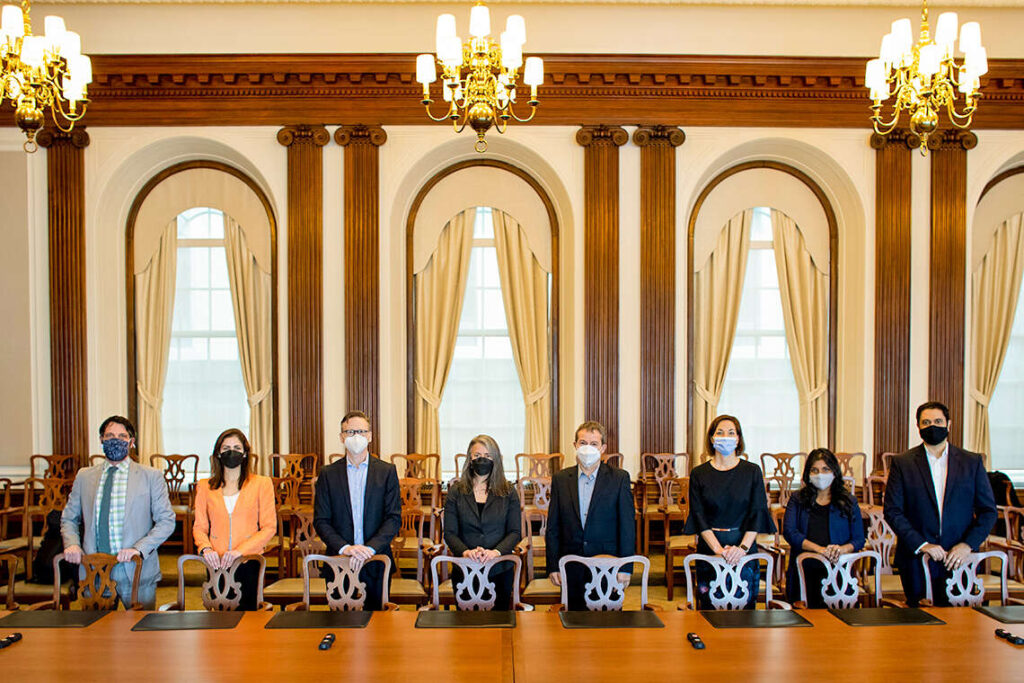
x=821 y=481
x=356 y=444
x=587 y=456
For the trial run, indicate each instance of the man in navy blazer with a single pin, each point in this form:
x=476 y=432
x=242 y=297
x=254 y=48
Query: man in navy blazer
x=358 y=507
x=939 y=502
x=590 y=513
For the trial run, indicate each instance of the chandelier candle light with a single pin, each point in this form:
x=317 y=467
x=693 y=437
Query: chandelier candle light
x=40 y=72
x=479 y=76
x=924 y=78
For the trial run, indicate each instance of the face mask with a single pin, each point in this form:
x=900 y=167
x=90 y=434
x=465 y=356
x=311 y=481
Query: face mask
x=587 y=456
x=116 y=450
x=725 y=445
x=481 y=467
x=821 y=481
x=356 y=444
x=933 y=435
x=231 y=458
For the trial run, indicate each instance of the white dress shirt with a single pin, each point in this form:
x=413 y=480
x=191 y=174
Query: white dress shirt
x=939 y=467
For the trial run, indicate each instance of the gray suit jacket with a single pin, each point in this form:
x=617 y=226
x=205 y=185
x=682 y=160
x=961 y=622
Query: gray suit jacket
x=148 y=517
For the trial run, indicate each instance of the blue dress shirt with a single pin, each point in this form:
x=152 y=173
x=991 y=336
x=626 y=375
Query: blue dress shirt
x=586 y=489
x=357 y=497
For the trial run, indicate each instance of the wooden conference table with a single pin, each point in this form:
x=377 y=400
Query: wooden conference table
x=538 y=649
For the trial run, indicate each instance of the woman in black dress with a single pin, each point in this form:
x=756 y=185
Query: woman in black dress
x=728 y=508
x=482 y=516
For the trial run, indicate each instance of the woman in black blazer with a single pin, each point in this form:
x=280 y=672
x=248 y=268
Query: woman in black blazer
x=482 y=516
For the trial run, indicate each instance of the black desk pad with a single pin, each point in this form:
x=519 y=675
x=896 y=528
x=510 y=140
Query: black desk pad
x=320 y=620
x=457 y=619
x=885 y=616
x=1011 y=614
x=632 y=619
x=51 y=619
x=187 y=621
x=754 y=618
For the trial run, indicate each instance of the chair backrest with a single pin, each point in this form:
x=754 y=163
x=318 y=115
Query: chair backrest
x=603 y=592
x=286 y=491
x=1013 y=517
x=727 y=590
x=53 y=466
x=302 y=535
x=964 y=584
x=880 y=538
x=10 y=562
x=98 y=590
x=612 y=460
x=254 y=463
x=222 y=591
x=887 y=459
x=476 y=591
x=873 y=482
x=783 y=464
x=47 y=493
x=96 y=459
x=840 y=589
x=345 y=592
x=419 y=465
x=539 y=488
x=459 y=459
x=659 y=470
x=179 y=471
x=410 y=490
x=853 y=465
x=537 y=464
x=784 y=485
x=300 y=466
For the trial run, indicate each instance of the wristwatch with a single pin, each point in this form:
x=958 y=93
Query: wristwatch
x=745 y=547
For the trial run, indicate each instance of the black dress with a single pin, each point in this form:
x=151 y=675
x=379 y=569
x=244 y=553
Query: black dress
x=731 y=503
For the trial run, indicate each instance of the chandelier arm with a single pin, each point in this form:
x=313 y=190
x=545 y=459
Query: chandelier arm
x=533 y=112
x=885 y=127
x=445 y=117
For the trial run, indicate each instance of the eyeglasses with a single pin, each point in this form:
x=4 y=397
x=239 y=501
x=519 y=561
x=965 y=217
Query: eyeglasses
x=355 y=432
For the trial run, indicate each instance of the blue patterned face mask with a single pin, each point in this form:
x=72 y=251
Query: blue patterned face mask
x=725 y=445
x=116 y=450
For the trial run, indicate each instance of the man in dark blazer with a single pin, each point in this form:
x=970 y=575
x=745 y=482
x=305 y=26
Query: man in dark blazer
x=939 y=502
x=590 y=513
x=357 y=507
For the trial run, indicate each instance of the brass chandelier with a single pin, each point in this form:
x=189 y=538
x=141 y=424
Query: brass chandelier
x=41 y=72
x=479 y=76
x=924 y=78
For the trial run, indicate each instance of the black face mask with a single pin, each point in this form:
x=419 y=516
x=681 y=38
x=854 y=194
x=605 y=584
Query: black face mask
x=933 y=435
x=231 y=459
x=481 y=467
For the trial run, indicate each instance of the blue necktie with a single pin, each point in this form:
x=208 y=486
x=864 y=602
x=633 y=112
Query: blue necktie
x=103 y=530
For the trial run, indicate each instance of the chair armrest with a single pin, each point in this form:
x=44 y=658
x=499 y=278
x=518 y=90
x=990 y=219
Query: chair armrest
x=389 y=607
x=1015 y=601
x=265 y=607
x=295 y=607
x=779 y=604
x=170 y=607
x=890 y=602
x=43 y=605
x=649 y=607
x=684 y=608
x=523 y=607
x=558 y=607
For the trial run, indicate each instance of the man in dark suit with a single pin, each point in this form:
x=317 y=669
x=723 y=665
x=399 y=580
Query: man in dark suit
x=358 y=508
x=590 y=513
x=939 y=502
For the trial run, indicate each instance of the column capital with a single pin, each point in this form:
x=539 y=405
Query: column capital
x=647 y=136
x=899 y=136
x=360 y=134
x=76 y=137
x=303 y=134
x=953 y=140
x=601 y=135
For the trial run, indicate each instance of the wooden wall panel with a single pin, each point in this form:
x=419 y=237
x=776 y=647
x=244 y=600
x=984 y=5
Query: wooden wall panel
x=657 y=285
x=305 y=285
x=948 y=271
x=65 y=171
x=362 y=268
x=601 y=275
x=892 y=292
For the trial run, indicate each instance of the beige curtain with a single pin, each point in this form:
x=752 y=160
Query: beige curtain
x=996 y=288
x=154 y=311
x=524 y=288
x=251 y=301
x=804 y=291
x=439 y=290
x=718 y=288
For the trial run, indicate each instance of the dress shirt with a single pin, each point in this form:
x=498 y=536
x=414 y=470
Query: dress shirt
x=357 y=497
x=586 y=489
x=118 y=497
x=939 y=468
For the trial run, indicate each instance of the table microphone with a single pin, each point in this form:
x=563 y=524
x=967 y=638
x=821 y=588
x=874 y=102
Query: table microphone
x=1009 y=637
x=695 y=640
x=326 y=643
x=9 y=640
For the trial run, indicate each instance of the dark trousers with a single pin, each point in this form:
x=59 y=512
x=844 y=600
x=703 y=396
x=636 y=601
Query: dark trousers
x=373 y=577
x=913 y=579
x=248 y=574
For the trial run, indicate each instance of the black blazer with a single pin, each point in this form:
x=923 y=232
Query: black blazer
x=382 y=507
x=498 y=528
x=911 y=509
x=610 y=521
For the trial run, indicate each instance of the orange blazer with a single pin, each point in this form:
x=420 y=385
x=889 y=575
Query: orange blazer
x=250 y=527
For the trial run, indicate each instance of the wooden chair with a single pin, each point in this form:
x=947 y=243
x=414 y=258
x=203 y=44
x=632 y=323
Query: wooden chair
x=533 y=545
x=344 y=592
x=603 y=592
x=21 y=543
x=96 y=460
x=658 y=474
x=40 y=497
x=728 y=590
x=221 y=592
x=286 y=503
x=301 y=466
x=476 y=591
x=841 y=589
x=179 y=472
x=53 y=466
x=302 y=542
x=614 y=460
x=98 y=590
x=534 y=492
x=459 y=459
x=254 y=463
x=411 y=541
x=1012 y=544
x=537 y=464
x=881 y=539
x=783 y=464
x=781 y=492
x=10 y=562
x=678 y=546
x=419 y=465
x=855 y=467
x=965 y=587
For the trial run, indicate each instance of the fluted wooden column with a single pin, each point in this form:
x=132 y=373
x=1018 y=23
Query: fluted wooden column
x=892 y=291
x=362 y=268
x=601 y=275
x=657 y=285
x=948 y=271
x=305 y=285
x=65 y=177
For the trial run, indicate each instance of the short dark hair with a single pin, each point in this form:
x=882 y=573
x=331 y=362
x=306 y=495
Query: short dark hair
x=123 y=421
x=709 y=446
x=354 y=413
x=932 y=405
x=592 y=426
x=217 y=469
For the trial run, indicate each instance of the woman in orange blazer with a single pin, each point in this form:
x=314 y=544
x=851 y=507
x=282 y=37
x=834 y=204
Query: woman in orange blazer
x=235 y=513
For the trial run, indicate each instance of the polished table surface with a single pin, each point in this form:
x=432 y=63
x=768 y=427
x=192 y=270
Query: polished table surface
x=539 y=649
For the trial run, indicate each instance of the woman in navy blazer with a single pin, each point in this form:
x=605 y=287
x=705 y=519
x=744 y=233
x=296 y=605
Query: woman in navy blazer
x=822 y=517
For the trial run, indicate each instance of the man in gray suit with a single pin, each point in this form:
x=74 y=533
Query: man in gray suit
x=125 y=511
